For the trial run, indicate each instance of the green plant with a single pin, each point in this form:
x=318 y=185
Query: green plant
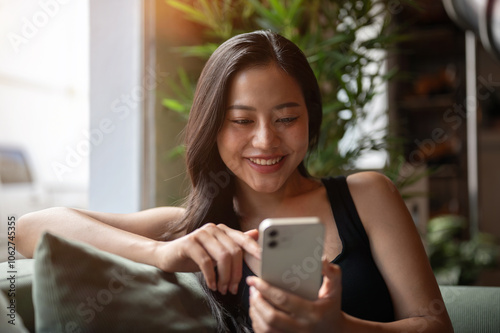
x=454 y=260
x=343 y=40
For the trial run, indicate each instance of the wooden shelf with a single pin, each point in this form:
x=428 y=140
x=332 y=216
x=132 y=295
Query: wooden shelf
x=432 y=63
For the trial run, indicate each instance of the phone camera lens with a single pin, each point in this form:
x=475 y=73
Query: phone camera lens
x=273 y=244
x=273 y=233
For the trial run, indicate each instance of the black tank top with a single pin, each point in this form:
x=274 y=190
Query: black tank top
x=364 y=292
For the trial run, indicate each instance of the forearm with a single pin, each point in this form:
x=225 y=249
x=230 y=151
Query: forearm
x=428 y=324
x=72 y=224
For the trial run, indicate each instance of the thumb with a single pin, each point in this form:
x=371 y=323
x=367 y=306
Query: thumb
x=332 y=281
x=254 y=233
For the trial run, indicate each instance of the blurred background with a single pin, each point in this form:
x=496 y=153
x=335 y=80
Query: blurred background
x=94 y=96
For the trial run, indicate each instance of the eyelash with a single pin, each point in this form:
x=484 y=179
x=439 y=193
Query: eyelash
x=241 y=121
x=287 y=120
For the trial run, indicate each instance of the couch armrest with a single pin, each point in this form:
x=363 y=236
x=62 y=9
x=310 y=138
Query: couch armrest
x=473 y=308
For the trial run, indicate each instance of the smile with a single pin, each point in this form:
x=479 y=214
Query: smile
x=261 y=161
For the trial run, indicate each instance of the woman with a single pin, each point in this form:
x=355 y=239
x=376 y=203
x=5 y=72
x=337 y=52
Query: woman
x=255 y=115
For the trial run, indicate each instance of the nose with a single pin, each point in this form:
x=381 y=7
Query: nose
x=265 y=137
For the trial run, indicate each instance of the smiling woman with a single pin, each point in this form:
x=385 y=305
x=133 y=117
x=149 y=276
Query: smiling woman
x=255 y=116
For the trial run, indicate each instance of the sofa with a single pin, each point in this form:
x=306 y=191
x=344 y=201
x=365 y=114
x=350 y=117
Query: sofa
x=73 y=287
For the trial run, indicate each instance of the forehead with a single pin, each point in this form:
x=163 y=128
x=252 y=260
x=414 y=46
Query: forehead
x=263 y=81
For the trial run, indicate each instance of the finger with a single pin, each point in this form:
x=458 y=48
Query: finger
x=199 y=255
x=245 y=240
x=281 y=299
x=230 y=276
x=254 y=233
x=267 y=318
x=210 y=238
x=332 y=281
x=258 y=323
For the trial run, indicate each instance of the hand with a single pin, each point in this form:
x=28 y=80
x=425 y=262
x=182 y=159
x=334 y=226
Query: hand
x=209 y=247
x=275 y=310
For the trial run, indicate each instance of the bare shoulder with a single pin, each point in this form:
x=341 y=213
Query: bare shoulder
x=375 y=195
x=370 y=182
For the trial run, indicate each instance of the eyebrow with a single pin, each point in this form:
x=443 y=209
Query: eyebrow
x=250 y=108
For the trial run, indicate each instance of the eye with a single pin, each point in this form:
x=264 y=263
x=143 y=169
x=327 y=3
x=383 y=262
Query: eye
x=241 y=121
x=287 y=120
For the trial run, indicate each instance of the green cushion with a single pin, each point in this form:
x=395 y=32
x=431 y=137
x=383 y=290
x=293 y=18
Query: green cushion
x=473 y=309
x=78 y=288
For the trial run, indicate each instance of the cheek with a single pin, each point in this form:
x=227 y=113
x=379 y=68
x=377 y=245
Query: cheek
x=226 y=143
x=229 y=151
x=300 y=138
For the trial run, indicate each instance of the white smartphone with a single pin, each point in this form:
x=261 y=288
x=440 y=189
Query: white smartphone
x=292 y=249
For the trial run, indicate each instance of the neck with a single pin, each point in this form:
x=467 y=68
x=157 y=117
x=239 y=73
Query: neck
x=254 y=206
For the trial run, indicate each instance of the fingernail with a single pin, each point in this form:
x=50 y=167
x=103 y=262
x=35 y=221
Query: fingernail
x=234 y=289
x=224 y=289
x=252 y=291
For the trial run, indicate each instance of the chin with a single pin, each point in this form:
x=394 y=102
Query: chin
x=267 y=186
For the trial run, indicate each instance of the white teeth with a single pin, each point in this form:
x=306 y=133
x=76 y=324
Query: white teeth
x=261 y=161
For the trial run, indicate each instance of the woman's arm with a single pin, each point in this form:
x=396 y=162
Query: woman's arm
x=399 y=255
x=130 y=235
x=136 y=237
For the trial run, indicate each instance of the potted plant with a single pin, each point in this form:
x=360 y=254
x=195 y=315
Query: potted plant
x=456 y=261
x=344 y=42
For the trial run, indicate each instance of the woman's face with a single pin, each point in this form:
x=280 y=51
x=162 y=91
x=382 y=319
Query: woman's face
x=265 y=132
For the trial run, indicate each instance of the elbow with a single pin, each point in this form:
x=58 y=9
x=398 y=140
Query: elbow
x=22 y=235
x=30 y=227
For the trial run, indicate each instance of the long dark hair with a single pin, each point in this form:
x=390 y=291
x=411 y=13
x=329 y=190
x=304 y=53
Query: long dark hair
x=211 y=195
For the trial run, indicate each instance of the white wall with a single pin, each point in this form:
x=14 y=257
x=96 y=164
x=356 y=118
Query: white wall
x=117 y=92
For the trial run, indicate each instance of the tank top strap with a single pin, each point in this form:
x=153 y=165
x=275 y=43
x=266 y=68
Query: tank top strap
x=349 y=225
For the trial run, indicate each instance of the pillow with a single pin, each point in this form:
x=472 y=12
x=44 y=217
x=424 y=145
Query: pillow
x=11 y=321
x=78 y=288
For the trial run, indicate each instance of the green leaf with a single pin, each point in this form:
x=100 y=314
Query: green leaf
x=185 y=81
x=173 y=105
x=202 y=51
x=278 y=8
x=295 y=9
x=193 y=14
x=177 y=152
